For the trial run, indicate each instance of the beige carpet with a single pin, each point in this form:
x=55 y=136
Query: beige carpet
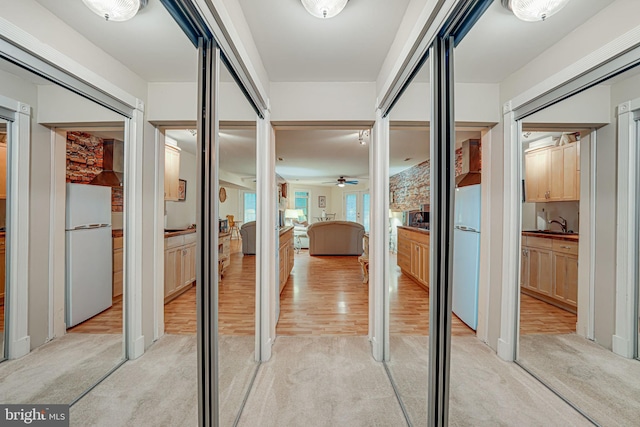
x=322 y=381
x=601 y=383
x=161 y=387
x=59 y=371
x=485 y=391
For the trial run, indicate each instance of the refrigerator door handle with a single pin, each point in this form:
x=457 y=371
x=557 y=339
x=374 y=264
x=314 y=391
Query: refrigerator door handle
x=465 y=228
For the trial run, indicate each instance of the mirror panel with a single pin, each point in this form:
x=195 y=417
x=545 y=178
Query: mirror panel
x=4 y=142
x=568 y=256
x=75 y=287
x=409 y=203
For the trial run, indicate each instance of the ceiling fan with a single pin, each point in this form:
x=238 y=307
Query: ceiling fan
x=342 y=181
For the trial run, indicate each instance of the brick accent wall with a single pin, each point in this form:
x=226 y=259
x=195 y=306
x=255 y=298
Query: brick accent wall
x=85 y=154
x=411 y=188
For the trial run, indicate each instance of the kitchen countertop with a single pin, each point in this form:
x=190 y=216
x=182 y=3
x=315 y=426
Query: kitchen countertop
x=178 y=232
x=117 y=233
x=566 y=237
x=415 y=229
x=285 y=229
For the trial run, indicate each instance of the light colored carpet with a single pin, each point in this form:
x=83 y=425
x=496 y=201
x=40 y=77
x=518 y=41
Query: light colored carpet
x=601 y=383
x=59 y=371
x=322 y=381
x=161 y=387
x=485 y=390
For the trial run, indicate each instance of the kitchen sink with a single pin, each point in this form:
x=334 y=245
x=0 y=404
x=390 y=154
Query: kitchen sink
x=568 y=233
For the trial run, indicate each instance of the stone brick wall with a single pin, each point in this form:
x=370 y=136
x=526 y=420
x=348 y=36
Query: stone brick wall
x=84 y=157
x=85 y=154
x=411 y=188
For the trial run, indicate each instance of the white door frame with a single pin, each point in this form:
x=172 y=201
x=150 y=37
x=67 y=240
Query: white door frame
x=627 y=251
x=605 y=61
x=17 y=236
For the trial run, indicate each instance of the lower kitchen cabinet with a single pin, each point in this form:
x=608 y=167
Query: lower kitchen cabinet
x=118 y=270
x=2 y=269
x=413 y=254
x=549 y=270
x=286 y=255
x=179 y=265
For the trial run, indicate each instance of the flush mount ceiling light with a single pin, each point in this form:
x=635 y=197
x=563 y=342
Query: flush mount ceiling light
x=115 y=10
x=324 y=8
x=534 y=10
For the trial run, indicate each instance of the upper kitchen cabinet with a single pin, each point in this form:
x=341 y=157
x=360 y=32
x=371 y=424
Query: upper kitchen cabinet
x=553 y=174
x=171 y=172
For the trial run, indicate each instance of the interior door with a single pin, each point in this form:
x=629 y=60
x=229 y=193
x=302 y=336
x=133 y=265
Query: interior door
x=357 y=208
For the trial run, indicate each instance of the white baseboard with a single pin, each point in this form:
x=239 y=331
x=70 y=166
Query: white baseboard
x=137 y=348
x=505 y=350
x=20 y=348
x=622 y=347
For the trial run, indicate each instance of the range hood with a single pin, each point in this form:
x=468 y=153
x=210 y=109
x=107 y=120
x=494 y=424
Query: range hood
x=471 y=164
x=112 y=163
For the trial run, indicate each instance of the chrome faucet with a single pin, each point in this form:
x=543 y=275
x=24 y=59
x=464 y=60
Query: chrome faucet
x=562 y=223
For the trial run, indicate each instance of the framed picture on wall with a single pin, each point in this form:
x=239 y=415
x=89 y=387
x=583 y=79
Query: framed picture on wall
x=322 y=201
x=182 y=189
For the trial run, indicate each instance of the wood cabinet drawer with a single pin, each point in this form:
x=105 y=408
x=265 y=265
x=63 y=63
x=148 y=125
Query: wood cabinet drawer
x=565 y=247
x=540 y=242
x=173 y=242
x=190 y=238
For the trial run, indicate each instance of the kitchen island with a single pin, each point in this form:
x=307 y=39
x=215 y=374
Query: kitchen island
x=413 y=253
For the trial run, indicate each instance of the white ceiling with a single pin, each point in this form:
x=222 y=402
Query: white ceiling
x=151 y=45
x=296 y=46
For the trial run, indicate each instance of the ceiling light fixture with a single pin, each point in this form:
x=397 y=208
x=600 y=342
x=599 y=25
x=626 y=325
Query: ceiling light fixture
x=534 y=10
x=362 y=135
x=324 y=9
x=341 y=184
x=115 y=10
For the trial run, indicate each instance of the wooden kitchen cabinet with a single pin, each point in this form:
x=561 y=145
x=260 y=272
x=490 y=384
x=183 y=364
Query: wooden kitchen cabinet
x=286 y=255
x=118 y=269
x=3 y=170
x=179 y=265
x=413 y=254
x=553 y=174
x=549 y=270
x=536 y=164
x=565 y=268
x=171 y=172
x=2 y=269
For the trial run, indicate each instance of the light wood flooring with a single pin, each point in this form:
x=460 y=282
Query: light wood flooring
x=539 y=317
x=107 y=322
x=323 y=296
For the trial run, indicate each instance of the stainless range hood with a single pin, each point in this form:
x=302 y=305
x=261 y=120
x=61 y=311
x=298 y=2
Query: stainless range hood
x=471 y=164
x=113 y=164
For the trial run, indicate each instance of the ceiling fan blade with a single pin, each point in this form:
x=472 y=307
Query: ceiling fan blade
x=351 y=182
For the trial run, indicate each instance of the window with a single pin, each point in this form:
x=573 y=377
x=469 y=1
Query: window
x=249 y=207
x=301 y=201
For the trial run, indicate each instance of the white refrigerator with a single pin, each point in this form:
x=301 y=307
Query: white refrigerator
x=466 y=254
x=88 y=252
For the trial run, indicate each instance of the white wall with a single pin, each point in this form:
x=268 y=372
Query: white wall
x=474 y=102
x=233 y=204
x=590 y=106
x=178 y=102
x=182 y=214
x=57 y=105
x=323 y=101
x=314 y=192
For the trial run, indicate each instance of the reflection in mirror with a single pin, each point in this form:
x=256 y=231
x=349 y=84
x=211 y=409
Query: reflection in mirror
x=237 y=249
x=4 y=142
x=75 y=286
x=568 y=257
x=409 y=204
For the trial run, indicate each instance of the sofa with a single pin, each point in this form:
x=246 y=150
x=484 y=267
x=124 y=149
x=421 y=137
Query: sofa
x=248 y=236
x=335 y=238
